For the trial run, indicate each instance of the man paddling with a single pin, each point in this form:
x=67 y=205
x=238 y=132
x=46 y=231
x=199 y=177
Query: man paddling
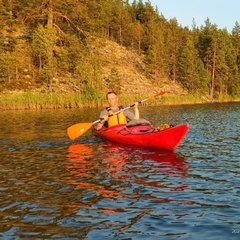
x=108 y=119
x=79 y=129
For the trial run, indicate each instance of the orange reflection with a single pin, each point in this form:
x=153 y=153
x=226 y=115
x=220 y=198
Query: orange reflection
x=85 y=165
x=116 y=171
x=88 y=162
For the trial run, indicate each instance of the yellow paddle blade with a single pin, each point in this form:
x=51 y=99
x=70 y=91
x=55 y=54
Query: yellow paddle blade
x=77 y=130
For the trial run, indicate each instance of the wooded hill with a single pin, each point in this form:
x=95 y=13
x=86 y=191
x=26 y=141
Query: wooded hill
x=46 y=42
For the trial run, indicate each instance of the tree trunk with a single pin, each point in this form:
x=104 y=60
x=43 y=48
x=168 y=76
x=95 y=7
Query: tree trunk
x=50 y=45
x=120 y=35
x=212 y=86
x=50 y=13
x=16 y=73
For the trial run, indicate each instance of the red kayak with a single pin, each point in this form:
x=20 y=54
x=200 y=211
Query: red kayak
x=147 y=136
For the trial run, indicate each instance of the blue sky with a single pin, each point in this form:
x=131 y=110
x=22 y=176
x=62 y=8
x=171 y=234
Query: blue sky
x=223 y=13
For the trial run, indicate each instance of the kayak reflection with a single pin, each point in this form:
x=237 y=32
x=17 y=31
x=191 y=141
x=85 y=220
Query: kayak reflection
x=108 y=168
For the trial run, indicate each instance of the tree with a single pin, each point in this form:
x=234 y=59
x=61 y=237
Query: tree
x=44 y=40
x=190 y=68
x=207 y=47
x=89 y=73
x=115 y=81
x=226 y=67
x=153 y=40
x=173 y=44
x=236 y=48
x=60 y=35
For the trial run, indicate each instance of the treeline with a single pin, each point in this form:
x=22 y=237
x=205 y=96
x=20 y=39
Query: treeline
x=44 y=39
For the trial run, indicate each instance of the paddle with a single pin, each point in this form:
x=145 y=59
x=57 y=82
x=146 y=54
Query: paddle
x=79 y=129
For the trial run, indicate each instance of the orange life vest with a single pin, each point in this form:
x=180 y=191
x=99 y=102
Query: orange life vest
x=116 y=119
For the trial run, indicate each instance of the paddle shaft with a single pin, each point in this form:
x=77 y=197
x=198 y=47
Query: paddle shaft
x=79 y=129
x=126 y=108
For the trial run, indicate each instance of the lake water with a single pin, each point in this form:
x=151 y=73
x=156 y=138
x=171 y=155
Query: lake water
x=52 y=188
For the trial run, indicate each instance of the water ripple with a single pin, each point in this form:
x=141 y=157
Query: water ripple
x=52 y=188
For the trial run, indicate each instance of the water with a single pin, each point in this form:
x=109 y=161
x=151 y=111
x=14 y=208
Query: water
x=52 y=188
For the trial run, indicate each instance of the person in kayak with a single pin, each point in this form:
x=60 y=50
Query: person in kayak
x=121 y=118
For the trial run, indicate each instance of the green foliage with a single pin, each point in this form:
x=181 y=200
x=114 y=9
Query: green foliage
x=44 y=40
x=114 y=81
x=50 y=39
x=89 y=73
x=190 y=71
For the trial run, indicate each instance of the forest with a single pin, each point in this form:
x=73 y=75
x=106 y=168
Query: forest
x=42 y=40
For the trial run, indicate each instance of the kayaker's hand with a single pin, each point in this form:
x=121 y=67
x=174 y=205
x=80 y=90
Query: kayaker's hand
x=105 y=118
x=99 y=126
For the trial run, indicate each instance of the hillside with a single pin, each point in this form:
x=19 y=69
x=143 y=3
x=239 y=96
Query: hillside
x=131 y=69
x=129 y=65
x=71 y=46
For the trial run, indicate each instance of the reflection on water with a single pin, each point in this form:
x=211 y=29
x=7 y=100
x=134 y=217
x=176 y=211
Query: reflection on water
x=89 y=165
x=92 y=189
x=119 y=179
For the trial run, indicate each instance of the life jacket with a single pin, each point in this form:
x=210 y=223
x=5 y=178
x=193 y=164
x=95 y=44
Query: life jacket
x=115 y=119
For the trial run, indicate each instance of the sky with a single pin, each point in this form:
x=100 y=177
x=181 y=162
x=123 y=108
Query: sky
x=223 y=13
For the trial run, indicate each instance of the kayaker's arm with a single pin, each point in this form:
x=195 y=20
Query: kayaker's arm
x=136 y=111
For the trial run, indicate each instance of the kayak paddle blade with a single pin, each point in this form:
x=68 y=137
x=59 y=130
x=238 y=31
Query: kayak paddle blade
x=78 y=129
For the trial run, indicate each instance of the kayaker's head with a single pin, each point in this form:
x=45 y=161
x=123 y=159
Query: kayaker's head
x=112 y=99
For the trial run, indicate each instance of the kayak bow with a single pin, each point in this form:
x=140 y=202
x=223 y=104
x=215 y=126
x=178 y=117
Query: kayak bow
x=146 y=136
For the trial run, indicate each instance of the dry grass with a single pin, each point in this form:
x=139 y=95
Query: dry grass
x=33 y=100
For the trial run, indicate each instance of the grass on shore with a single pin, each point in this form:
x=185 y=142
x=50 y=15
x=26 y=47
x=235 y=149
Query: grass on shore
x=35 y=100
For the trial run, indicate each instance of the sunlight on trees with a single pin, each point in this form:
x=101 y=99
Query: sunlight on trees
x=50 y=40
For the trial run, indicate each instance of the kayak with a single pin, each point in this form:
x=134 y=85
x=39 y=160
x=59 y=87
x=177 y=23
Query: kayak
x=148 y=136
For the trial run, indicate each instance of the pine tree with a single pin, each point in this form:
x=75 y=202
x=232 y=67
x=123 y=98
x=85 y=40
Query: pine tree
x=226 y=67
x=207 y=47
x=191 y=72
x=173 y=44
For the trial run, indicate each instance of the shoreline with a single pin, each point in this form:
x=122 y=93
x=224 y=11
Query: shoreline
x=40 y=101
